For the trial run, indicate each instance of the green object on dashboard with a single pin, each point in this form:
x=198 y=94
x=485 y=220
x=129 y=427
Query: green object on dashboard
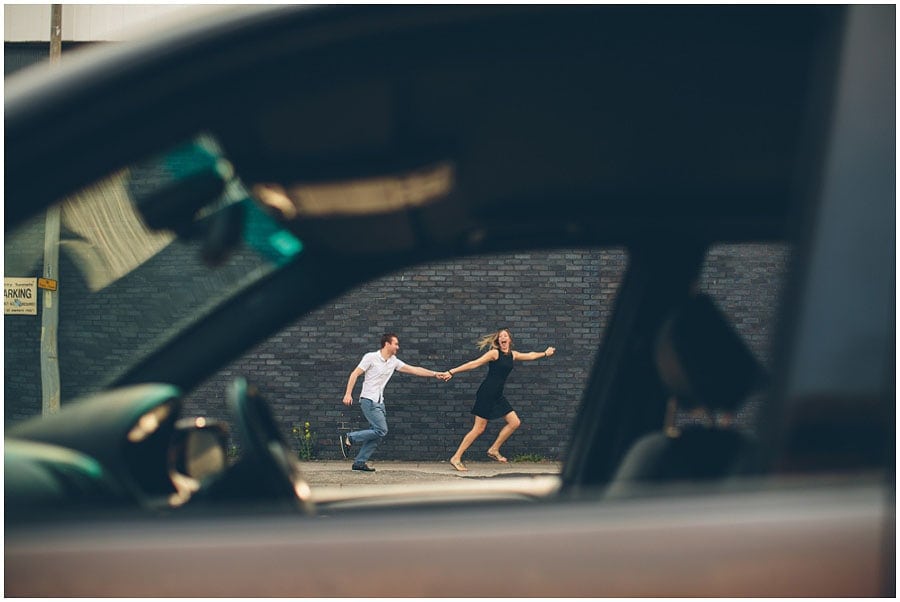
x=262 y=233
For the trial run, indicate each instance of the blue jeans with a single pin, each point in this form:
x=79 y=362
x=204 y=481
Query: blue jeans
x=369 y=438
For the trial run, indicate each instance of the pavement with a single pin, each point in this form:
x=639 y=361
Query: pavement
x=337 y=473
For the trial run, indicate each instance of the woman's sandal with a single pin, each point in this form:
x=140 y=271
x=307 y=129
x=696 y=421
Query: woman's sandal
x=496 y=456
x=458 y=466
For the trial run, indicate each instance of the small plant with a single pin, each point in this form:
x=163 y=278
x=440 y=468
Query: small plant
x=306 y=441
x=529 y=458
x=233 y=453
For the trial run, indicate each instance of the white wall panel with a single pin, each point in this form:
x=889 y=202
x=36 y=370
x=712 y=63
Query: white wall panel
x=26 y=22
x=88 y=22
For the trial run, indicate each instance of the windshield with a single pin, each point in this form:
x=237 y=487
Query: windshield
x=123 y=288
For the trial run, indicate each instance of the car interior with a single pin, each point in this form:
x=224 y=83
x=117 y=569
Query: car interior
x=704 y=365
x=258 y=155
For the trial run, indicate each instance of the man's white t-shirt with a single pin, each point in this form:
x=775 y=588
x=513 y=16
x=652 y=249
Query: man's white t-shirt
x=378 y=372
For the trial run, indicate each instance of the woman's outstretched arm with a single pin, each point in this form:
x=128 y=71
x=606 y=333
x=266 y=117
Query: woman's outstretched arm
x=533 y=355
x=489 y=355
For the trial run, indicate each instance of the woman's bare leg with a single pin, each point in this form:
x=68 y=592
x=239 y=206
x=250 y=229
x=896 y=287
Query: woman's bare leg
x=512 y=423
x=469 y=439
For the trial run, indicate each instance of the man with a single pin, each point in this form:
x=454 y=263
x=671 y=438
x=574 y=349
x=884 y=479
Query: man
x=378 y=366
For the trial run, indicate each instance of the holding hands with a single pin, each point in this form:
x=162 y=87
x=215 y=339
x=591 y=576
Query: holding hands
x=448 y=374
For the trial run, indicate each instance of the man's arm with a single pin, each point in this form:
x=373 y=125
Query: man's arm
x=351 y=382
x=407 y=369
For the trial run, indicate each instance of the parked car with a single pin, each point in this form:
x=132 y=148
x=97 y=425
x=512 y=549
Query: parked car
x=271 y=159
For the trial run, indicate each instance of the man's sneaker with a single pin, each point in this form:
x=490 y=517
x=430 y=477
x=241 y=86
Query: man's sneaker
x=345 y=444
x=362 y=466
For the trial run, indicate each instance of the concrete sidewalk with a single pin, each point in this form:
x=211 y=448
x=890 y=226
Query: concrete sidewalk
x=337 y=473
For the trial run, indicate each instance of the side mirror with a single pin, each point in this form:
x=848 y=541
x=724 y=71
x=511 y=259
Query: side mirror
x=199 y=448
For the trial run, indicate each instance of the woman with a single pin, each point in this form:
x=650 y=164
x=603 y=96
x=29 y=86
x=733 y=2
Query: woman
x=490 y=402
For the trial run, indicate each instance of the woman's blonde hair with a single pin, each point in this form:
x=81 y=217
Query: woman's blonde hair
x=490 y=340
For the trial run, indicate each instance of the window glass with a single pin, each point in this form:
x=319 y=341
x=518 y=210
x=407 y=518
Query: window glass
x=745 y=281
x=439 y=311
x=125 y=287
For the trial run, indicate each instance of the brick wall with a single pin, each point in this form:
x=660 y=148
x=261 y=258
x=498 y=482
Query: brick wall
x=745 y=281
x=438 y=311
x=562 y=299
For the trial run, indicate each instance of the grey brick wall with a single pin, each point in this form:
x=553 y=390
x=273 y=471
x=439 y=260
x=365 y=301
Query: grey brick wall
x=745 y=281
x=23 y=258
x=562 y=299
x=438 y=311
x=19 y=55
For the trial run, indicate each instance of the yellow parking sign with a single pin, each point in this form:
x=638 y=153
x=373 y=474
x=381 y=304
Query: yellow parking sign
x=47 y=284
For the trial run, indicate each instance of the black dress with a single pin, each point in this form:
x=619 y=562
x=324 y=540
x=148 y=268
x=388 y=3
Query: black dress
x=489 y=400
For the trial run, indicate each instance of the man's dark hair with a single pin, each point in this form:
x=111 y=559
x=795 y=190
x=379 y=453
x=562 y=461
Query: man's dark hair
x=387 y=338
